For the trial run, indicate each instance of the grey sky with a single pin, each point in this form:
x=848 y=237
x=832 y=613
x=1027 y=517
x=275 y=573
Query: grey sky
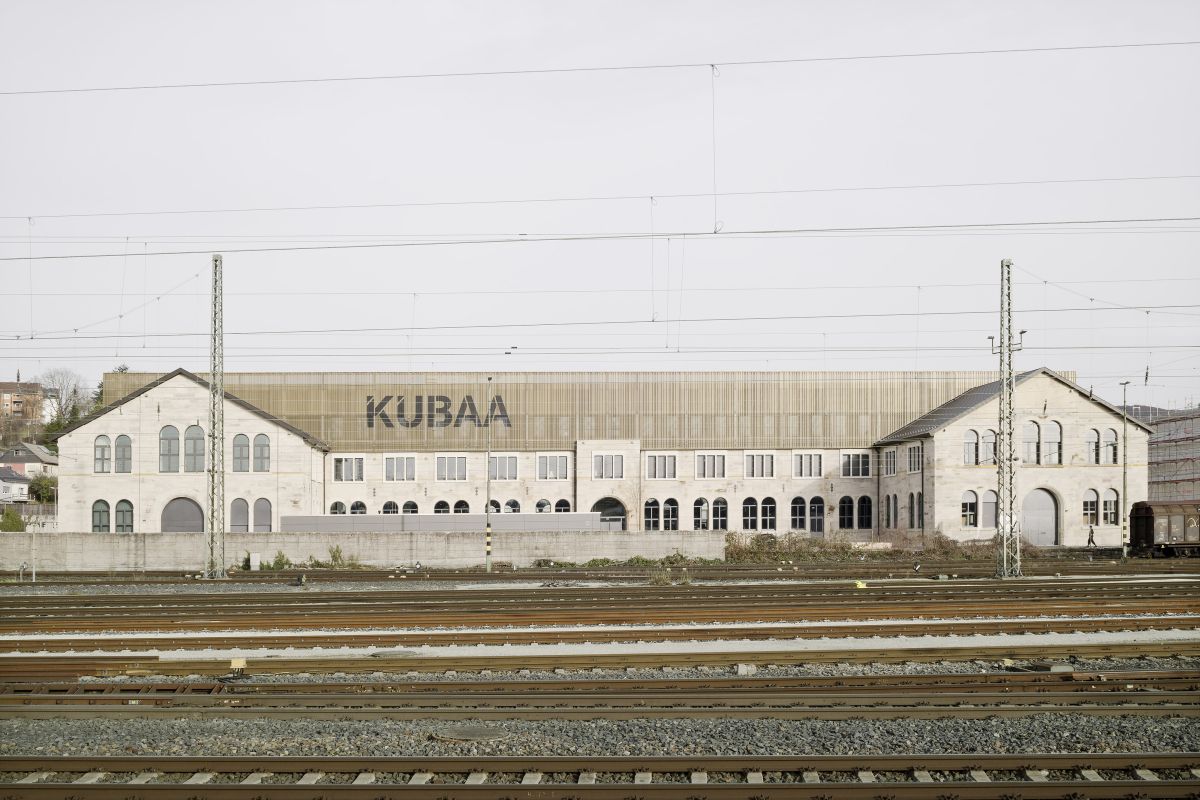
x=841 y=124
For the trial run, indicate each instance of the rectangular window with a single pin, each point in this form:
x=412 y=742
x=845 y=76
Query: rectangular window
x=856 y=465
x=502 y=468
x=807 y=465
x=400 y=468
x=262 y=453
x=124 y=454
x=710 y=466
x=760 y=465
x=889 y=462
x=241 y=454
x=969 y=509
x=193 y=454
x=915 y=458
x=1089 y=512
x=102 y=456
x=608 y=466
x=348 y=468
x=1110 y=511
x=451 y=468
x=552 y=468
x=660 y=466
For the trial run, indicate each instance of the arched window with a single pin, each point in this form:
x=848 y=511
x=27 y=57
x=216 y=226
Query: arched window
x=720 y=514
x=987 y=448
x=182 y=515
x=262 y=453
x=768 y=514
x=1031 y=438
x=895 y=511
x=1111 y=510
x=651 y=516
x=390 y=507
x=168 y=449
x=409 y=507
x=1092 y=446
x=562 y=507
x=846 y=513
x=338 y=507
x=749 y=514
x=462 y=507
x=543 y=506
x=989 y=508
x=700 y=518
x=494 y=506
x=241 y=453
x=888 y=519
x=100 y=517
x=123 y=454
x=441 y=507
x=970 y=510
x=1091 y=511
x=239 y=516
x=816 y=515
x=103 y=454
x=921 y=510
x=912 y=511
x=512 y=507
x=864 y=512
x=124 y=516
x=193 y=449
x=262 y=515
x=798 y=516
x=971 y=448
x=1052 y=443
x=670 y=515
x=358 y=507
x=1110 y=446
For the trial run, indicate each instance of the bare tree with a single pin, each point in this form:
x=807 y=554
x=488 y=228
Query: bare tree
x=66 y=393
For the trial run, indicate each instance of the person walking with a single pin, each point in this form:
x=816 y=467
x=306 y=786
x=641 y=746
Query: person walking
x=1091 y=536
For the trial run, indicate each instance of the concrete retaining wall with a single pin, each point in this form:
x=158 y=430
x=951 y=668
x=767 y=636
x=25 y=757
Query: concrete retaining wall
x=188 y=551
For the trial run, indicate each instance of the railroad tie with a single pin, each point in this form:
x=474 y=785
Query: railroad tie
x=201 y=777
x=256 y=777
x=754 y=777
x=363 y=778
x=922 y=776
x=477 y=777
x=531 y=777
x=699 y=777
x=1146 y=774
x=1196 y=772
x=979 y=776
x=866 y=776
x=1037 y=775
x=642 y=777
x=587 y=777
x=1090 y=775
x=310 y=778
x=144 y=777
x=91 y=777
x=35 y=777
x=812 y=777
x=420 y=777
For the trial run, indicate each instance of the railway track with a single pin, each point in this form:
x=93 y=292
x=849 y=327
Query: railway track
x=1029 y=776
x=937 y=696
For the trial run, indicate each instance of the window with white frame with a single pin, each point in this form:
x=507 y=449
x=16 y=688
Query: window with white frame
x=889 y=462
x=608 y=466
x=1111 y=514
x=552 y=468
x=399 y=468
x=916 y=457
x=760 y=465
x=451 y=468
x=348 y=468
x=660 y=466
x=806 y=465
x=710 y=465
x=502 y=468
x=856 y=465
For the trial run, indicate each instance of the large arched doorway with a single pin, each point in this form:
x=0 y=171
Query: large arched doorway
x=1039 y=519
x=610 y=509
x=182 y=515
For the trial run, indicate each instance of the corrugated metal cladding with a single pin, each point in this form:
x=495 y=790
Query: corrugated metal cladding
x=553 y=410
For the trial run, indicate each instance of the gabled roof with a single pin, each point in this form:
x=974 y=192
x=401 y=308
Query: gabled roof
x=36 y=451
x=968 y=401
x=10 y=475
x=307 y=437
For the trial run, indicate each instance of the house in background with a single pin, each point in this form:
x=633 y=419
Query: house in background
x=14 y=487
x=30 y=460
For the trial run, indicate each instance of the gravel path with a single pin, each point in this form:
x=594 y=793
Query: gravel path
x=1050 y=733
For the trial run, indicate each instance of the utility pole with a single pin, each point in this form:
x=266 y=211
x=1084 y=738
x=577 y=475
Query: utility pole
x=216 y=430
x=1008 y=529
x=1124 y=469
x=487 y=506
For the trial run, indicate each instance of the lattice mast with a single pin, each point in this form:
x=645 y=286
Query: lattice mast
x=1008 y=534
x=216 y=430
